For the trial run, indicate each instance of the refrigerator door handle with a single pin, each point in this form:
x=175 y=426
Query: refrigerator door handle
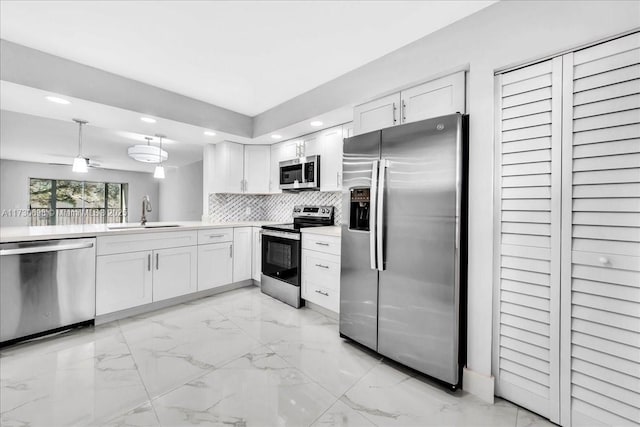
x=382 y=177
x=373 y=194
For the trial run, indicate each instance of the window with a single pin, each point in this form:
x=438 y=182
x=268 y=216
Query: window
x=62 y=202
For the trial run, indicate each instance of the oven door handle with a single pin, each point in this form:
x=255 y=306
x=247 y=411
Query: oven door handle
x=281 y=234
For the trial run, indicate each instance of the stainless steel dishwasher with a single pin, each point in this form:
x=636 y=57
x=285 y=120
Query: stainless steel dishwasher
x=45 y=286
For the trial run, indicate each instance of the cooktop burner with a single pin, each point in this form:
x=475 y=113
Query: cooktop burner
x=305 y=216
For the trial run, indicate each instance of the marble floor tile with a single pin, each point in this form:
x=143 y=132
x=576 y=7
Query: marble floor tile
x=142 y=416
x=238 y=359
x=335 y=364
x=257 y=389
x=388 y=396
x=71 y=393
x=169 y=357
x=529 y=419
x=341 y=415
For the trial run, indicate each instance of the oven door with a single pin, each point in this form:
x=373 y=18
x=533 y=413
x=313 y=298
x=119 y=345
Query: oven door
x=281 y=256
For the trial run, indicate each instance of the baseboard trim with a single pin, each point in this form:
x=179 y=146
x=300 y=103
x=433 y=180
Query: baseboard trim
x=330 y=314
x=482 y=386
x=135 y=311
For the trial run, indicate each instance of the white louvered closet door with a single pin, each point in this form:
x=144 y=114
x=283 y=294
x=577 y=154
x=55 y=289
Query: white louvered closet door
x=601 y=235
x=528 y=178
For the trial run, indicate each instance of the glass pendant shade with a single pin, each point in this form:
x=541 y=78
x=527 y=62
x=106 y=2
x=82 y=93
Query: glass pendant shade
x=159 y=172
x=80 y=165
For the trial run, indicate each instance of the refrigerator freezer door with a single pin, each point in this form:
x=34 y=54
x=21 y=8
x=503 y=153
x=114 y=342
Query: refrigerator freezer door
x=418 y=291
x=358 y=281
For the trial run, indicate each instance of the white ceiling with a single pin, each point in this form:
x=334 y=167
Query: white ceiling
x=246 y=56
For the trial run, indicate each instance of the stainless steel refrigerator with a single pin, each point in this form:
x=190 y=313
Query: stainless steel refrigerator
x=403 y=271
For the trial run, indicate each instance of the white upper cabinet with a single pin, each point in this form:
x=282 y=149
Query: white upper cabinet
x=281 y=151
x=376 y=114
x=228 y=168
x=311 y=146
x=239 y=168
x=331 y=159
x=257 y=163
x=431 y=99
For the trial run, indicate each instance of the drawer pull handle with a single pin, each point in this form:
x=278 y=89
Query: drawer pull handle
x=322 y=244
x=604 y=260
x=322 y=266
x=213 y=236
x=326 y=294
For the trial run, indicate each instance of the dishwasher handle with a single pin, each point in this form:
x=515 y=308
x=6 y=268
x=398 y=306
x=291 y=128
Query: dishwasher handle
x=45 y=248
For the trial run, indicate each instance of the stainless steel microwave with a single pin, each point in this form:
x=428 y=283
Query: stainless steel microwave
x=300 y=174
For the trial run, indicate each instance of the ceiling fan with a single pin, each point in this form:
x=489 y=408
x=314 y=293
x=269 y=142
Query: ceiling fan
x=91 y=163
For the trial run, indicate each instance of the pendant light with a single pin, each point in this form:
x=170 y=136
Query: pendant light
x=80 y=162
x=147 y=153
x=159 y=172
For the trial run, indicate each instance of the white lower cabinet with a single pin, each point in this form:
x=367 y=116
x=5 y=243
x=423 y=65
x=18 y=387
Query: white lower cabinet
x=242 y=243
x=321 y=273
x=256 y=262
x=123 y=281
x=138 y=269
x=215 y=265
x=175 y=272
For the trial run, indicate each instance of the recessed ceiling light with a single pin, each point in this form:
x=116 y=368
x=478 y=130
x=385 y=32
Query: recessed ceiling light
x=209 y=133
x=148 y=119
x=58 y=100
x=276 y=136
x=316 y=123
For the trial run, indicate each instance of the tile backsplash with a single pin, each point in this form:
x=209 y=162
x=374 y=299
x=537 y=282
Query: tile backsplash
x=271 y=207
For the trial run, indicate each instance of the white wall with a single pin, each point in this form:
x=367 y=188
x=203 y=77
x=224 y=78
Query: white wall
x=180 y=194
x=14 y=186
x=503 y=34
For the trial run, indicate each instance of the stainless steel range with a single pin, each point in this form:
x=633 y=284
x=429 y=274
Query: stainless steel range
x=281 y=273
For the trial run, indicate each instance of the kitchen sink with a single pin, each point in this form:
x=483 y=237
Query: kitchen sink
x=138 y=226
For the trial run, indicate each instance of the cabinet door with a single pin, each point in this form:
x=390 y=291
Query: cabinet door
x=256 y=261
x=175 y=272
x=312 y=145
x=378 y=114
x=228 y=165
x=123 y=281
x=281 y=151
x=215 y=265
x=601 y=235
x=257 y=162
x=242 y=246
x=527 y=205
x=331 y=160
x=435 y=98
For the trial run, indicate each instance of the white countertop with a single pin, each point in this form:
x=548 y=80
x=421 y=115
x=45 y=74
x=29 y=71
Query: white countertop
x=333 y=230
x=19 y=234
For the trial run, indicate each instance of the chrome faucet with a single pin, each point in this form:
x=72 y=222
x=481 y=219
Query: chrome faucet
x=146 y=207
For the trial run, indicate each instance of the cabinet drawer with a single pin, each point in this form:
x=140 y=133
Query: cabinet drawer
x=321 y=269
x=145 y=241
x=215 y=235
x=324 y=297
x=320 y=243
